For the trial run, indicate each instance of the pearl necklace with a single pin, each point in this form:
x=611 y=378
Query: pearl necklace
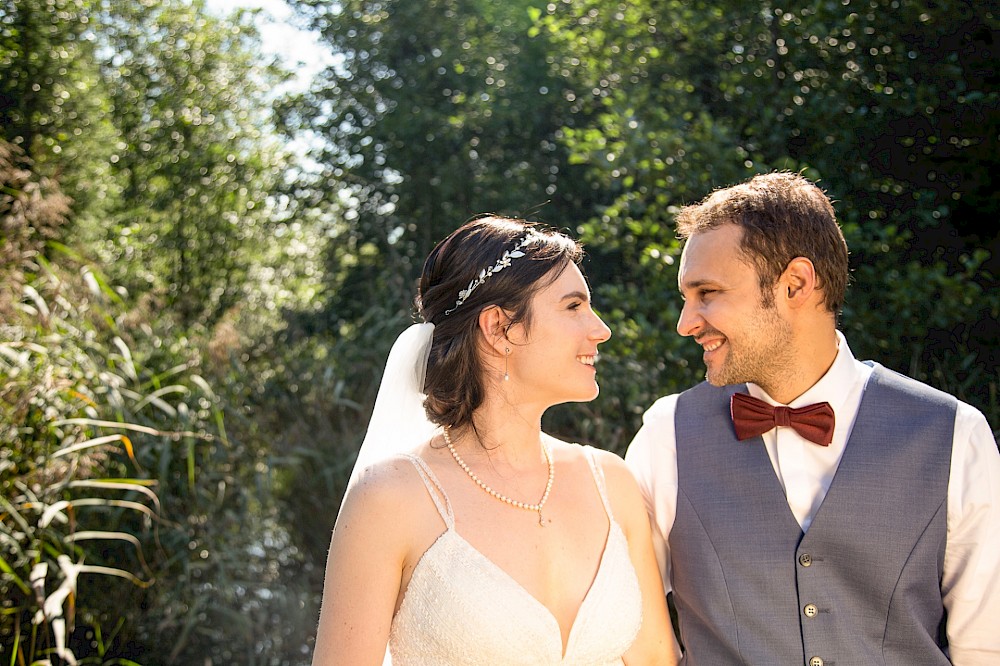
x=503 y=498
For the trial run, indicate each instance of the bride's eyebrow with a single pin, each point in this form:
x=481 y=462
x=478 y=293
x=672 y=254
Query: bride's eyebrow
x=576 y=295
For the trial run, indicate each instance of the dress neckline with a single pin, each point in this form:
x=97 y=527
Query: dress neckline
x=447 y=514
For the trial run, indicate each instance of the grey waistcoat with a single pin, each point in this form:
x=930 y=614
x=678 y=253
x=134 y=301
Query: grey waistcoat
x=862 y=587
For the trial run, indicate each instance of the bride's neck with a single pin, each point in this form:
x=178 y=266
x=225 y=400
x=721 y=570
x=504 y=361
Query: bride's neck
x=509 y=438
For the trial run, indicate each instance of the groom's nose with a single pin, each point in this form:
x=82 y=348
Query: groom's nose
x=690 y=321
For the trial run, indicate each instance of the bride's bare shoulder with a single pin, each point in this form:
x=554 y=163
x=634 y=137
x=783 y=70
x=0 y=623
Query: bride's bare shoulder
x=385 y=486
x=608 y=460
x=623 y=491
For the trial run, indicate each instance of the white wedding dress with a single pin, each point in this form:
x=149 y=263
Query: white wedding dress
x=462 y=609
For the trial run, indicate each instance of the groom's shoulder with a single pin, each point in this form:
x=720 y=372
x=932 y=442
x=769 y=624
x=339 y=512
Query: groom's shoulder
x=662 y=408
x=667 y=404
x=905 y=384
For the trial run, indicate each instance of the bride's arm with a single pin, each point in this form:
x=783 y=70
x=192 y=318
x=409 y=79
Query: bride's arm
x=655 y=643
x=364 y=570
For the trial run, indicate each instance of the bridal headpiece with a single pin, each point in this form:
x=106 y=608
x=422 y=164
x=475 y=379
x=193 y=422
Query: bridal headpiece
x=502 y=263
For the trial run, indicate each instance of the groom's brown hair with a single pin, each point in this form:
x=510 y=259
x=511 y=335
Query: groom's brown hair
x=783 y=216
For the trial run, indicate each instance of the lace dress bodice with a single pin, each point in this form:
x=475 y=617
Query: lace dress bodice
x=460 y=608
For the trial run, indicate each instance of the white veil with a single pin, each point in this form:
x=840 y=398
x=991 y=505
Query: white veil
x=398 y=421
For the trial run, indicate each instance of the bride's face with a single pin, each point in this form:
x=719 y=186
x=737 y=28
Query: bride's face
x=553 y=360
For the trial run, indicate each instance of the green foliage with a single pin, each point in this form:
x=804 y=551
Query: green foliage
x=66 y=496
x=435 y=112
x=119 y=465
x=188 y=98
x=226 y=379
x=659 y=103
x=70 y=508
x=874 y=99
x=57 y=479
x=316 y=401
x=32 y=211
x=43 y=51
x=941 y=323
x=154 y=119
x=51 y=106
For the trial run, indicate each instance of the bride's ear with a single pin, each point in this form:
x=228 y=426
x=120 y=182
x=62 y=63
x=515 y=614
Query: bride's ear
x=493 y=324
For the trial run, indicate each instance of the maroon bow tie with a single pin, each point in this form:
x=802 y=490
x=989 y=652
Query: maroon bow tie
x=753 y=417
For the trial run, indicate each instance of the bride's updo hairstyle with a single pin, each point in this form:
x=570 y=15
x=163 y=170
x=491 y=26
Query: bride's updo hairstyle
x=455 y=383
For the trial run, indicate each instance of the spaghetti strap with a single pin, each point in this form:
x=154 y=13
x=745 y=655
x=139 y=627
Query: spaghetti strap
x=598 y=473
x=434 y=489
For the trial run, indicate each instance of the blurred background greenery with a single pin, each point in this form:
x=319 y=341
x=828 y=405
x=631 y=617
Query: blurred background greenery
x=202 y=269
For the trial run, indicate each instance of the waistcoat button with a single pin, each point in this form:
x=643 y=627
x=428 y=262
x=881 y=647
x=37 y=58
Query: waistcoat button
x=805 y=559
x=810 y=610
x=816 y=661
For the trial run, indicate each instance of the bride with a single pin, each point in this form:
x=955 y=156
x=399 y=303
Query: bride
x=468 y=535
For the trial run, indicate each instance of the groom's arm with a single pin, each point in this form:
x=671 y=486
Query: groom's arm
x=971 y=578
x=652 y=458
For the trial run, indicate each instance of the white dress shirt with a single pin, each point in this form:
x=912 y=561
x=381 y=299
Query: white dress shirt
x=971 y=582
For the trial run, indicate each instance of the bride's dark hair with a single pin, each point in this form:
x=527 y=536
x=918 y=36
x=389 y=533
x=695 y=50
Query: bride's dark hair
x=454 y=384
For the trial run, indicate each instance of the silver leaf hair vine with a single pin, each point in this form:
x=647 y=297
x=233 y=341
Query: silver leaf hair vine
x=502 y=263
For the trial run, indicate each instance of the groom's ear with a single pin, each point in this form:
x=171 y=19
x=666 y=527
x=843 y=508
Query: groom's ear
x=493 y=324
x=799 y=282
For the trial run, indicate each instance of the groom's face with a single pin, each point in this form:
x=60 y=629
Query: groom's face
x=743 y=339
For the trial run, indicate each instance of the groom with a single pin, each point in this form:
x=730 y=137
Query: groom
x=855 y=523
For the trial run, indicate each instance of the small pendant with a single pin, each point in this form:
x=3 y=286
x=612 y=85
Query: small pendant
x=541 y=523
